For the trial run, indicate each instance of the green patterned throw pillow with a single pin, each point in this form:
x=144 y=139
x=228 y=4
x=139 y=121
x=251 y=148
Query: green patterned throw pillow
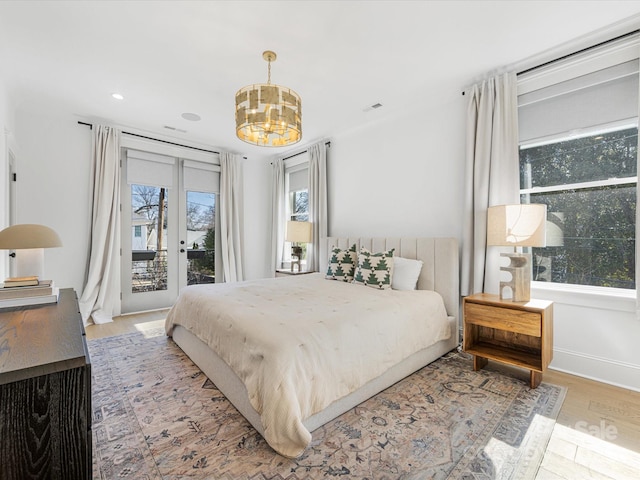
x=342 y=264
x=374 y=269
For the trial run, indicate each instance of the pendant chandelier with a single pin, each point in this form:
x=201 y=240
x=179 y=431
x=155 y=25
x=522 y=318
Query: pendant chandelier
x=268 y=115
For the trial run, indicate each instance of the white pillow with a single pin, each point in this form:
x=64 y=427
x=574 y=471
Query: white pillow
x=405 y=273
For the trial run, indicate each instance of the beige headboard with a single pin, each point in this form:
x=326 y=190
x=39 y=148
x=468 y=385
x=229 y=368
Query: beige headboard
x=440 y=271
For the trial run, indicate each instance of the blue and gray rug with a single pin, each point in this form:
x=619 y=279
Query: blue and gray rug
x=156 y=416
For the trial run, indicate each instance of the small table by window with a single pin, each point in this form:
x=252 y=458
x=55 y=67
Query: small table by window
x=515 y=333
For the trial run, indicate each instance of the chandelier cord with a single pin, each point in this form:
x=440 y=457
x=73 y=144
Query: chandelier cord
x=269 y=72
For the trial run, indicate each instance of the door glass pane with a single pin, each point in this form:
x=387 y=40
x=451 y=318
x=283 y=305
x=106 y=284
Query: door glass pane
x=149 y=238
x=201 y=213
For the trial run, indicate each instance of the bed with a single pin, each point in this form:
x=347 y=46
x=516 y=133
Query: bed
x=286 y=386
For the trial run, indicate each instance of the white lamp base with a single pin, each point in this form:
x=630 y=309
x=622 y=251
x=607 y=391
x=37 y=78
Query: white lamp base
x=29 y=262
x=520 y=284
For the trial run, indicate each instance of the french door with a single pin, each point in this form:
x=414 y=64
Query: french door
x=168 y=228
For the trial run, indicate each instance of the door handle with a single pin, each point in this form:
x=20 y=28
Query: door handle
x=182 y=250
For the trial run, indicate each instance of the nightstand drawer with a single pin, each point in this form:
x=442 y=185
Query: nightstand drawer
x=516 y=321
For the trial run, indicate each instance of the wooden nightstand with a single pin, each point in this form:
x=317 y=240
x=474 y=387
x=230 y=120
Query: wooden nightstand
x=516 y=333
x=281 y=272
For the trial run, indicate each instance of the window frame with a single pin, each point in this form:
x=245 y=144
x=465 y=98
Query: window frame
x=587 y=61
x=291 y=166
x=618 y=294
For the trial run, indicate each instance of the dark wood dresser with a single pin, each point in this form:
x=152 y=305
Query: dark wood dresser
x=45 y=392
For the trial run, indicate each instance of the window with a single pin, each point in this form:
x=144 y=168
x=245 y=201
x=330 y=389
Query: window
x=297 y=181
x=578 y=155
x=589 y=186
x=137 y=231
x=299 y=205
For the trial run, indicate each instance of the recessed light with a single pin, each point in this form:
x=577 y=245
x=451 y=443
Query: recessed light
x=192 y=117
x=117 y=96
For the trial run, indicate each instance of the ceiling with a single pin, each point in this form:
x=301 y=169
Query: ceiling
x=173 y=57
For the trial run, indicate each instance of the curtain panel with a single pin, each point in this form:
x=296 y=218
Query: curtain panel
x=278 y=209
x=100 y=297
x=231 y=217
x=317 y=202
x=492 y=176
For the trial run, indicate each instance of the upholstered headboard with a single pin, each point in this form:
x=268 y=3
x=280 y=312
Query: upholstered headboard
x=440 y=270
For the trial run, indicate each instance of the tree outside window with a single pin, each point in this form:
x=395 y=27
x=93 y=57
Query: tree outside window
x=589 y=186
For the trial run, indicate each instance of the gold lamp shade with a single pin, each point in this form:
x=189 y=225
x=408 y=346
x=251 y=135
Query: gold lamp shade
x=268 y=115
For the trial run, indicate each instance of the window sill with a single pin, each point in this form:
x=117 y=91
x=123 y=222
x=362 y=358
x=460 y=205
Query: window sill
x=618 y=299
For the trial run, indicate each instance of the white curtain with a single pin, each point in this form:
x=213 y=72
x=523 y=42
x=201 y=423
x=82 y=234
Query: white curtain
x=279 y=211
x=492 y=176
x=101 y=293
x=317 y=202
x=231 y=217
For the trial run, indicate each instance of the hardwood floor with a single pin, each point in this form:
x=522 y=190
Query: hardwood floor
x=596 y=436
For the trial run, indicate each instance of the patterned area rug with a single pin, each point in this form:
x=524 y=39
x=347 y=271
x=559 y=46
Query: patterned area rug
x=156 y=416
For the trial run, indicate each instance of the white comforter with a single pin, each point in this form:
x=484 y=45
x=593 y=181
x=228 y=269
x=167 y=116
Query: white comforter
x=302 y=342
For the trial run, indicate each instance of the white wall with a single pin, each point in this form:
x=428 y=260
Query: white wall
x=53 y=188
x=384 y=182
x=257 y=210
x=595 y=334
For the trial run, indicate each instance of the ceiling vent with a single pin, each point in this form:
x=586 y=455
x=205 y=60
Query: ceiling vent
x=372 y=107
x=174 y=129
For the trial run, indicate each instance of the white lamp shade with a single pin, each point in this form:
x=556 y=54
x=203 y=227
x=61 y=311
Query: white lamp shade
x=555 y=235
x=298 y=232
x=28 y=235
x=520 y=225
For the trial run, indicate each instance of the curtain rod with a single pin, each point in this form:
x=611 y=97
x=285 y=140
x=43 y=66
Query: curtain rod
x=569 y=55
x=586 y=49
x=90 y=125
x=328 y=144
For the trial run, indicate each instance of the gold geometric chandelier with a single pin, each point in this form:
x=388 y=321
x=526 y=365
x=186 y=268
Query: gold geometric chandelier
x=268 y=115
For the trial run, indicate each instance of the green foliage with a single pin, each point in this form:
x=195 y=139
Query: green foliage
x=206 y=265
x=598 y=223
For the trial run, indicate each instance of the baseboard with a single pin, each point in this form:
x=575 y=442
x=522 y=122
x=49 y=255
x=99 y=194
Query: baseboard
x=619 y=374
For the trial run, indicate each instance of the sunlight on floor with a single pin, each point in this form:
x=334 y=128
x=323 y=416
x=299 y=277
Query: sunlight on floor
x=583 y=450
x=151 y=329
x=529 y=450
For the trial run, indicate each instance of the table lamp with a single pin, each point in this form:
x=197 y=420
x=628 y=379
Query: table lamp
x=520 y=225
x=297 y=232
x=30 y=240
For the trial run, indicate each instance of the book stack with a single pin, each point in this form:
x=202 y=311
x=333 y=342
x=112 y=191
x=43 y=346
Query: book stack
x=20 y=291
